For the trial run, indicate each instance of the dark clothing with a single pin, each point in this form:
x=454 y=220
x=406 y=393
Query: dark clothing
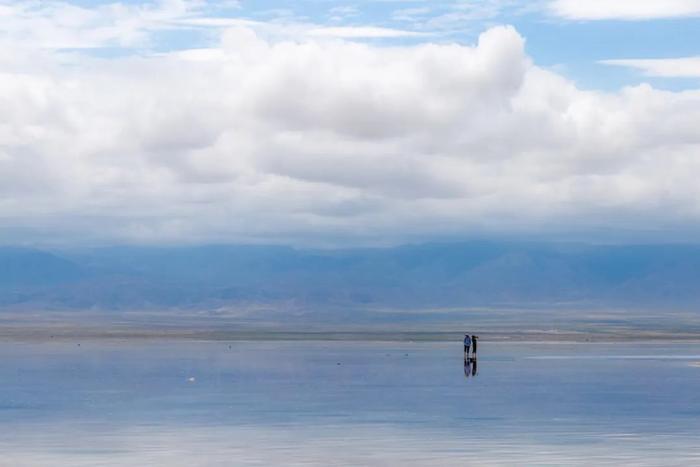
x=474 y=338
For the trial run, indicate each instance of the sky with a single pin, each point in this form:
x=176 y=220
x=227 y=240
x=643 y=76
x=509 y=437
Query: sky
x=348 y=123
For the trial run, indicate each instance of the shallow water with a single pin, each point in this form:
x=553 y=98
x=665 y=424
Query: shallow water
x=317 y=403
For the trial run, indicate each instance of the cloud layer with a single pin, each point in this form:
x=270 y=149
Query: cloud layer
x=624 y=9
x=684 y=67
x=322 y=140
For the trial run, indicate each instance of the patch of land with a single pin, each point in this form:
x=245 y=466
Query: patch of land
x=215 y=327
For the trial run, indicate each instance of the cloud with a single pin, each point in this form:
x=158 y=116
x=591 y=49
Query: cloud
x=459 y=16
x=55 y=25
x=355 y=32
x=411 y=14
x=624 y=9
x=340 y=13
x=685 y=67
x=59 y=24
x=311 y=140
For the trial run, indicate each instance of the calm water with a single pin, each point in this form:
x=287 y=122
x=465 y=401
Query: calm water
x=315 y=403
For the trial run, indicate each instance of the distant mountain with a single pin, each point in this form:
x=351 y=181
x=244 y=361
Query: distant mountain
x=429 y=275
x=23 y=266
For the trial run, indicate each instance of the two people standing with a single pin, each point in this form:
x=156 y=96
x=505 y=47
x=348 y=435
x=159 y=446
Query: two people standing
x=470 y=344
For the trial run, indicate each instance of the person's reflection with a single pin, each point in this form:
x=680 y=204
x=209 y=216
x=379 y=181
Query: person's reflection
x=469 y=367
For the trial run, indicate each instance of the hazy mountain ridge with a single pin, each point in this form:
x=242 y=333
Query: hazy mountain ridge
x=456 y=274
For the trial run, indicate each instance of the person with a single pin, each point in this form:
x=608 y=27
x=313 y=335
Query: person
x=467 y=345
x=474 y=339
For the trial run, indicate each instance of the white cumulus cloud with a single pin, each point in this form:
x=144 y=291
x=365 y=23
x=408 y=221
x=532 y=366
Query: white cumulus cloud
x=328 y=140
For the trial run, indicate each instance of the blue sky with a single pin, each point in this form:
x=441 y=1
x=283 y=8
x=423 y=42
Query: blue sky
x=319 y=122
x=574 y=46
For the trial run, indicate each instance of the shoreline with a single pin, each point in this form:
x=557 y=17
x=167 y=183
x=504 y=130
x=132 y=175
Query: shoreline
x=39 y=326
x=10 y=334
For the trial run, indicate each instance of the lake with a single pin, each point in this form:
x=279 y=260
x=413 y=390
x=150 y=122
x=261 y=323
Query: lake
x=184 y=402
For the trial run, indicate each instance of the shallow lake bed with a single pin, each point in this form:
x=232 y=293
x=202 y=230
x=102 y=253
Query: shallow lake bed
x=184 y=402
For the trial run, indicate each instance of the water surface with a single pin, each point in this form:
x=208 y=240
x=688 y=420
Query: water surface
x=181 y=402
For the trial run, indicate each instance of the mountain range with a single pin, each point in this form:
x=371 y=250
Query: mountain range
x=412 y=276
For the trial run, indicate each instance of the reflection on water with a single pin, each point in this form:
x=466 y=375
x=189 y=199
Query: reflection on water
x=260 y=403
x=470 y=367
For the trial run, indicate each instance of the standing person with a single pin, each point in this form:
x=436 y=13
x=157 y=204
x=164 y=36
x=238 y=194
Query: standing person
x=467 y=346
x=474 y=339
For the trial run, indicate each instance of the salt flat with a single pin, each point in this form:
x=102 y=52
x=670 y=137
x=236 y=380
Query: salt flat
x=189 y=402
